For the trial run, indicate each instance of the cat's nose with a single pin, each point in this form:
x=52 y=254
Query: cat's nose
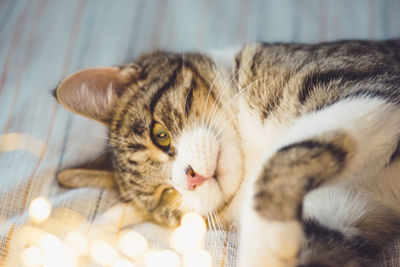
x=193 y=178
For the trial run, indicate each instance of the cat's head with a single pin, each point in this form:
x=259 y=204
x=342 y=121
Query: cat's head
x=172 y=123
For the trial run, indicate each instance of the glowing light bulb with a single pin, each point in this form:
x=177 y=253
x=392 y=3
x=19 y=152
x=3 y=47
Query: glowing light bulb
x=189 y=236
x=123 y=263
x=39 y=209
x=195 y=222
x=56 y=253
x=102 y=253
x=32 y=257
x=197 y=258
x=77 y=243
x=165 y=258
x=58 y=263
x=49 y=243
x=132 y=244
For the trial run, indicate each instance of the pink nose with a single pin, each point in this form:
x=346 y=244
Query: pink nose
x=193 y=178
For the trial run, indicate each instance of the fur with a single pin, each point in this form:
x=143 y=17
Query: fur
x=299 y=144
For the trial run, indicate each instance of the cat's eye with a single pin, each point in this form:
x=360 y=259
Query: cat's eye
x=160 y=136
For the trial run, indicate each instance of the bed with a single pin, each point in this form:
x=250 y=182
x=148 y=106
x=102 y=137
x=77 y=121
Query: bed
x=43 y=41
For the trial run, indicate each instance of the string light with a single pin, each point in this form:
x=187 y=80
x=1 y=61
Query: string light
x=189 y=236
x=165 y=258
x=132 y=244
x=77 y=243
x=49 y=243
x=56 y=253
x=197 y=258
x=195 y=222
x=39 y=209
x=47 y=250
x=123 y=263
x=102 y=253
x=32 y=257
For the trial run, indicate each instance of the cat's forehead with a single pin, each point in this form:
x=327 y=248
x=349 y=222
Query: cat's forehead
x=168 y=90
x=158 y=63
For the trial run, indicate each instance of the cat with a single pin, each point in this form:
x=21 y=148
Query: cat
x=296 y=144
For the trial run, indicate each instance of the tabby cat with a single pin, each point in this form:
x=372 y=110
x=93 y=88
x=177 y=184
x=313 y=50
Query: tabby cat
x=297 y=144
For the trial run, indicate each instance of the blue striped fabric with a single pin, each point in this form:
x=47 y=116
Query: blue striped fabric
x=42 y=41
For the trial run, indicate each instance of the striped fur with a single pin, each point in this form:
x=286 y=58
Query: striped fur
x=299 y=145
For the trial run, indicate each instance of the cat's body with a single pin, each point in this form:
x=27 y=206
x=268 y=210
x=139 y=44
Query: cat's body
x=297 y=144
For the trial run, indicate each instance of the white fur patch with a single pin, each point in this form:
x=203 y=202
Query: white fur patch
x=267 y=243
x=336 y=207
x=220 y=160
x=373 y=124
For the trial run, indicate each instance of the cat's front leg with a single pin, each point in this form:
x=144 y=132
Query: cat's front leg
x=268 y=239
x=271 y=227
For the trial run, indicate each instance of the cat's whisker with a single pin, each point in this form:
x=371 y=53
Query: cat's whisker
x=217 y=99
x=214 y=107
x=222 y=127
x=213 y=223
x=176 y=123
x=214 y=230
x=225 y=108
x=209 y=222
x=217 y=231
x=239 y=93
x=226 y=85
x=234 y=97
x=218 y=220
x=208 y=96
x=216 y=119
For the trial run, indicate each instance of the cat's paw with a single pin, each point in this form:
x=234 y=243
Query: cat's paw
x=267 y=243
x=167 y=216
x=168 y=212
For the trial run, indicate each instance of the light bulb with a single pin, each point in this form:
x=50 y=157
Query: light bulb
x=190 y=234
x=102 y=253
x=195 y=222
x=123 y=263
x=77 y=243
x=32 y=256
x=165 y=258
x=197 y=258
x=132 y=244
x=39 y=209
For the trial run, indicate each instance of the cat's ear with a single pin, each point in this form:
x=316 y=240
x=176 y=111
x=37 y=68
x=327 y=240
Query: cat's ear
x=93 y=92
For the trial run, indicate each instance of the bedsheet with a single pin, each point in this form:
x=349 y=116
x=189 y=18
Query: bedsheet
x=43 y=41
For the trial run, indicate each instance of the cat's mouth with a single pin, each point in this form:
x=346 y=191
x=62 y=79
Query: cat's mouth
x=217 y=171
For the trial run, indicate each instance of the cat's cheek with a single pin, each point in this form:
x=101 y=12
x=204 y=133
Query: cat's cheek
x=230 y=169
x=178 y=179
